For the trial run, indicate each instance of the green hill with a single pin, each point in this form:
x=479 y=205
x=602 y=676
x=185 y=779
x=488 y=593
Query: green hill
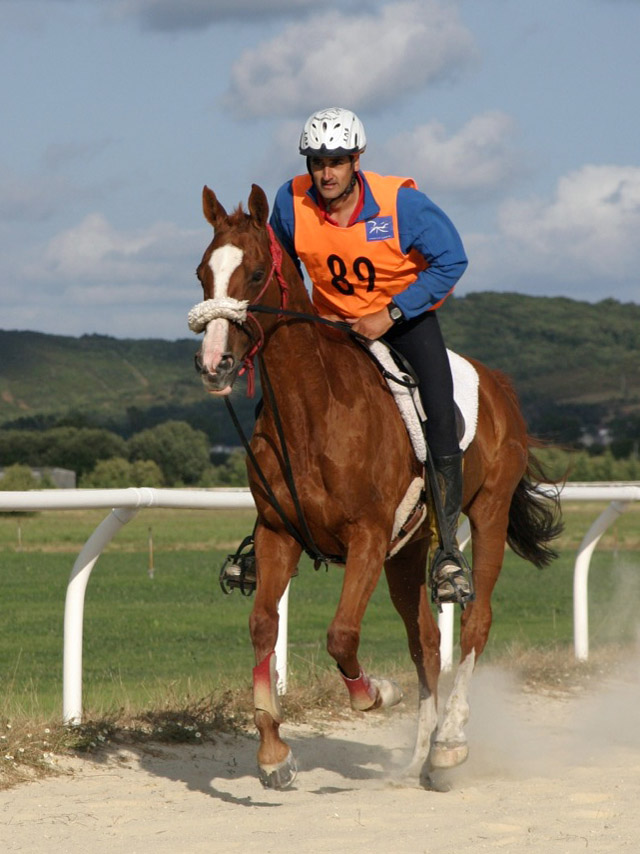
x=556 y=348
x=123 y=384
x=575 y=365
x=53 y=374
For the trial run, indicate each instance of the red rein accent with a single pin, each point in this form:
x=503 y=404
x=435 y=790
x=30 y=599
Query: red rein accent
x=276 y=255
x=276 y=267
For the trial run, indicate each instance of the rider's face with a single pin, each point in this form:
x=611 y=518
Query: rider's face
x=332 y=175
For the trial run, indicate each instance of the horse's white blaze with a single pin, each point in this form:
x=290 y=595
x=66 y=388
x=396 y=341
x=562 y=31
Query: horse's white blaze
x=224 y=261
x=456 y=711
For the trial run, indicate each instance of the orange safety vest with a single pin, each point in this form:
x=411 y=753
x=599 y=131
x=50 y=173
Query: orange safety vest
x=358 y=269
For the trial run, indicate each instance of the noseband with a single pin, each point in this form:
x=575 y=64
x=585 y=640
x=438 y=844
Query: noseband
x=240 y=311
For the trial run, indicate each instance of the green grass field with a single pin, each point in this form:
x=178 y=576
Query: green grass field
x=176 y=633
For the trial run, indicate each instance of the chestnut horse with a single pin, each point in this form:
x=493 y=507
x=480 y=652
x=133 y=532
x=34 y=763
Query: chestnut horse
x=335 y=462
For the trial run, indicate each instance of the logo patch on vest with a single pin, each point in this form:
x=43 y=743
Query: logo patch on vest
x=380 y=228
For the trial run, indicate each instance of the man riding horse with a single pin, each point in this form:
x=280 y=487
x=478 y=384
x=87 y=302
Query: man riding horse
x=383 y=257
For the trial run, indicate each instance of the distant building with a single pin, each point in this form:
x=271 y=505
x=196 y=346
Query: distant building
x=601 y=437
x=219 y=454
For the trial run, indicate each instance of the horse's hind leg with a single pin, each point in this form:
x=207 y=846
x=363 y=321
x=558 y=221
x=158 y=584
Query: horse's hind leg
x=406 y=577
x=276 y=559
x=489 y=518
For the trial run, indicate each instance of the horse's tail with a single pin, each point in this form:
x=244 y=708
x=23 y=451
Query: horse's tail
x=535 y=516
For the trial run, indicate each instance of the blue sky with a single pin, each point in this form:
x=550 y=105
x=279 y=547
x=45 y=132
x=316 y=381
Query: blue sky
x=519 y=117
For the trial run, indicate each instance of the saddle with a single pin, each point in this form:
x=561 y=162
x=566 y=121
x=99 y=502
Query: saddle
x=412 y=510
x=403 y=386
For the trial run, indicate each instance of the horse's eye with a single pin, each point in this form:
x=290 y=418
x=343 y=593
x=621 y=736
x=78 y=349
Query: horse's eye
x=257 y=275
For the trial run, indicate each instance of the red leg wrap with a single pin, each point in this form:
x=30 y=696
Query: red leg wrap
x=265 y=691
x=362 y=694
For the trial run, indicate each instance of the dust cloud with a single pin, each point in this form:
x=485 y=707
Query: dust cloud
x=516 y=734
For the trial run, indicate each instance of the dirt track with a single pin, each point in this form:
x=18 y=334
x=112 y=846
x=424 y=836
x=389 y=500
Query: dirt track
x=545 y=774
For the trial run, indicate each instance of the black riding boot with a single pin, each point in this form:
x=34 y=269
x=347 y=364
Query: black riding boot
x=451 y=579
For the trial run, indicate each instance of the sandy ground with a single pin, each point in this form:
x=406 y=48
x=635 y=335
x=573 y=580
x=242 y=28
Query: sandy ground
x=545 y=774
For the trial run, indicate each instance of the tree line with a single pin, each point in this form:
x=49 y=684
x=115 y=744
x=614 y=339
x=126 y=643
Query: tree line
x=175 y=454
x=172 y=454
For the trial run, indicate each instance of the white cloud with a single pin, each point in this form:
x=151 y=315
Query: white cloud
x=593 y=221
x=368 y=59
x=94 y=252
x=478 y=161
x=583 y=242
x=97 y=278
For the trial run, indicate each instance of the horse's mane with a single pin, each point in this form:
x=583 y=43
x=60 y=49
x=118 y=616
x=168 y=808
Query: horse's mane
x=238 y=217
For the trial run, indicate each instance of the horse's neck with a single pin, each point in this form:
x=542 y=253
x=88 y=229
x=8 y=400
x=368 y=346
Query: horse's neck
x=302 y=355
x=298 y=355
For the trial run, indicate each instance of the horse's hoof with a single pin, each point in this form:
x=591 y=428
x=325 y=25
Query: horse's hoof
x=279 y=776
x=432 y=783
x=389 y=692
x=448 y=754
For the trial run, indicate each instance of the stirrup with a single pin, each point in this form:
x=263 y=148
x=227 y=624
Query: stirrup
x=239 y=570
x=451 y=579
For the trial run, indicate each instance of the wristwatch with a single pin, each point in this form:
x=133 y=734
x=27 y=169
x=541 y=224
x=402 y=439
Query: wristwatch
x=394 y=312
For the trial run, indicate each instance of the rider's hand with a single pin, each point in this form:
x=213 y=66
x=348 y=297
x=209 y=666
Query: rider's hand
x=371 y=326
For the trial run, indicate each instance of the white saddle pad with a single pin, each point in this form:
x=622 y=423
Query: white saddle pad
x=465 y=393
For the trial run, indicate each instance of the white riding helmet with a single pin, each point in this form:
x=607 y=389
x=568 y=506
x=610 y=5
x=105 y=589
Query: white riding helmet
x=333 y=132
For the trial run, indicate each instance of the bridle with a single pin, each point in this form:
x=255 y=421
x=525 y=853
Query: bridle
x=241 y=313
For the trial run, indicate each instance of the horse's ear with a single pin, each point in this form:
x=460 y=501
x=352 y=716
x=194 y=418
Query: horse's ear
x=258 y=205
x=213 y=211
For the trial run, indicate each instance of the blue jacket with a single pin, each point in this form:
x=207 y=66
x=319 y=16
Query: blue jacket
x=422 y=226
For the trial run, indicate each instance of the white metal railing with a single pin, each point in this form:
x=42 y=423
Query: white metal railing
x=127 y=502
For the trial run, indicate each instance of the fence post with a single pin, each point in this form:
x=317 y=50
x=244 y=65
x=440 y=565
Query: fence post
x=282 y=644
x=581 y=576
x=74 y=610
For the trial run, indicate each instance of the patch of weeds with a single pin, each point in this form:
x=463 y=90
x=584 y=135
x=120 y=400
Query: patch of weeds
x=194 y=723
x=29 y=749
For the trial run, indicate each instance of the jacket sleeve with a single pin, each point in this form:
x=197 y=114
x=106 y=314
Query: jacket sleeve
x=423 y=226
x=282 y=221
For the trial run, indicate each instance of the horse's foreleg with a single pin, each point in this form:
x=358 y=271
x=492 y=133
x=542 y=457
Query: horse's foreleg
x=406 y=576
x=362 y=571
x=276 y=559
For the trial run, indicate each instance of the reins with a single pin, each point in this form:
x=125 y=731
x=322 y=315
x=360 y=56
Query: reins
x=304 y=539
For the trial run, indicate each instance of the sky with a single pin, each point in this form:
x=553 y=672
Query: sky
x=519 y=118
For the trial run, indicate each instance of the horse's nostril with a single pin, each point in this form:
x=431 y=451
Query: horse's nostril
x=224 y=367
